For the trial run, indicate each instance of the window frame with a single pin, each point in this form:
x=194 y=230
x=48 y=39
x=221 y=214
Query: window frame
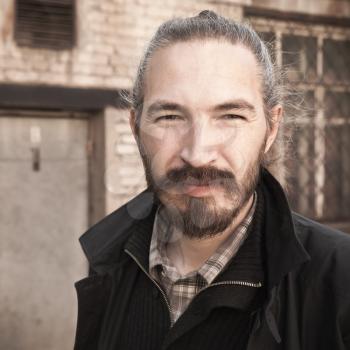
x=262 y=21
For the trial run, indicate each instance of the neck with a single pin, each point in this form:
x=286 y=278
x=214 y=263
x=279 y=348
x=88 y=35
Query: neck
x=189 y=254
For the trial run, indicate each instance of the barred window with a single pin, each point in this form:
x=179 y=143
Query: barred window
x=317 y=58
x=45 y=23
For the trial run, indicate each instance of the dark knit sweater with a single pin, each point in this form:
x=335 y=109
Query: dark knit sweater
x=219 y=317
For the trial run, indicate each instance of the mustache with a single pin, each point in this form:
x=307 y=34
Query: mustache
x=201 y=176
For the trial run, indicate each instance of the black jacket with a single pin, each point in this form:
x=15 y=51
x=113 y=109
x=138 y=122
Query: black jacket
x=308 y=276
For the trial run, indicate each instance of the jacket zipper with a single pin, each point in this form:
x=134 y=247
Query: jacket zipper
x=239 y=283
x=155 y=283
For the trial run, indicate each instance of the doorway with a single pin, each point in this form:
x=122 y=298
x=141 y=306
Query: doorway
x=44 y=209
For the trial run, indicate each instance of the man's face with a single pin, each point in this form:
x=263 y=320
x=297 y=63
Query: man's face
x=203 y=132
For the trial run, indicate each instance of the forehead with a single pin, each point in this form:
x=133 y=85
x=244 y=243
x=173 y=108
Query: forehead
x=200 y=72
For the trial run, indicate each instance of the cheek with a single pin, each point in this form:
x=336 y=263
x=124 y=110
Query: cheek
x=158 y=141
x=244 y=150
x=149 y=143
x=160 y=151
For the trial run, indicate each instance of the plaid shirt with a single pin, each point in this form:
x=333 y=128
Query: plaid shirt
x=180 y=289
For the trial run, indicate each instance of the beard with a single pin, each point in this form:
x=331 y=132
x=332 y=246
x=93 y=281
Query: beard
x=202 y=217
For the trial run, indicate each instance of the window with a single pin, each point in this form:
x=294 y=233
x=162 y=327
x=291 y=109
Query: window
x=317 y=58
x=45 y=23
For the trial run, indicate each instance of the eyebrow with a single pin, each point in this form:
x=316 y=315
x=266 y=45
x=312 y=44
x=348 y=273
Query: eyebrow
x=161 y=105
x=234 y=104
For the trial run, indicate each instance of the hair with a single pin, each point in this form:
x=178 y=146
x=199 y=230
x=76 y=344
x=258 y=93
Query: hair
x=208 y=25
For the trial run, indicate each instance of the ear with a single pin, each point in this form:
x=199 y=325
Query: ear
x=132 y=122
x=276 y=117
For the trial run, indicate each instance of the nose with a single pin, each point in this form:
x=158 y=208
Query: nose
x=198 y=147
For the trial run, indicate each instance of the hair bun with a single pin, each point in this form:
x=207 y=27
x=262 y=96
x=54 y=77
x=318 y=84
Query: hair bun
x=208 y=14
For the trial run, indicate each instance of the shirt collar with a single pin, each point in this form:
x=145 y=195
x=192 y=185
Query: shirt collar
x=163 y=232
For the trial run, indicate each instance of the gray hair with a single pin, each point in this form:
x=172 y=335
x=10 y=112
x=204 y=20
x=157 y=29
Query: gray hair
x=209 y=25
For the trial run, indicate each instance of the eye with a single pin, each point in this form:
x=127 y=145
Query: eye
x=232 y=117
x=169 y=117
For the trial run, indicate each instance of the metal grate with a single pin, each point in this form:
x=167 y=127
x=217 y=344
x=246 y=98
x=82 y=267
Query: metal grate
x=317 y=58
x=45 y=24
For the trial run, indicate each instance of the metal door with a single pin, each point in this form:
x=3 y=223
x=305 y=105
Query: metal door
x=44 y=209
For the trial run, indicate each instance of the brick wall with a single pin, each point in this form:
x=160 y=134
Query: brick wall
x=111 y=35
x=123 y=176
x=336 y=8
x=124 y=172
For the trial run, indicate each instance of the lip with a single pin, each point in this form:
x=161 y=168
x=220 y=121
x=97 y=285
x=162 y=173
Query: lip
x=198 y=191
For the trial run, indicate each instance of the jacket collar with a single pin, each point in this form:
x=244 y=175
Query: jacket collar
x=103 y=244
x=284 y=250
x=130 y=227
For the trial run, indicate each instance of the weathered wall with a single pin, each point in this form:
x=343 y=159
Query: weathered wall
x=110 y=38
x=124 y=173
x=111 y=35
x=337 y=8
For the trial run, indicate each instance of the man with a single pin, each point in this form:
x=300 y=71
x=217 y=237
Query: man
x=210 y=256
